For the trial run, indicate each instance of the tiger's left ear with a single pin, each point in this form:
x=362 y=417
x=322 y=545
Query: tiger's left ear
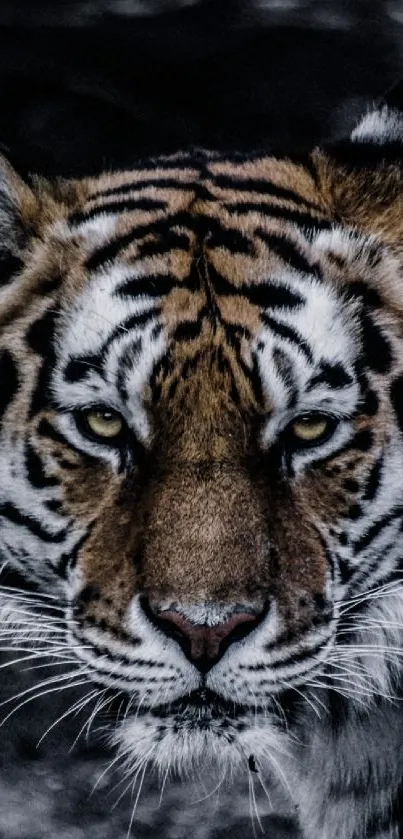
x=361 y=178
x=19 y=211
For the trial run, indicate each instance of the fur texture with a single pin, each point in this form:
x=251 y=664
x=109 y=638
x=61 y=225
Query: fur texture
x=212 y=301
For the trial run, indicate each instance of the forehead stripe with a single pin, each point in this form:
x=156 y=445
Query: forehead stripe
x=288 y=334
x=171 y=241
x=78 y=368
x=114 y=248
x=117 y=207
x=266 y=295
x=144 y=183
x=218 y=235
x=157 y=227
x=132 y=322
x=287 y=251
x=152 y=285
x=262 y=187
x=155 y=285
x=295 y=216
x=333 y=375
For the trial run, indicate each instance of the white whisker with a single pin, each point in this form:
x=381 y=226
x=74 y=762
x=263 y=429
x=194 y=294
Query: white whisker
x=165 y=778
x=56 y=689
x=59 y=678
x=34 y=595
x=263 y=785
x=254 y=803
x=141 y=782
x=76 y=707
x=305 y=698
x=104 y=772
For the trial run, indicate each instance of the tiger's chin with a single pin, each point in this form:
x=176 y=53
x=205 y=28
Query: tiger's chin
x=181 y=738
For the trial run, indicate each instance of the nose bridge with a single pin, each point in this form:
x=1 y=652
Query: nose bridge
x=204 y=536
x=198 y=416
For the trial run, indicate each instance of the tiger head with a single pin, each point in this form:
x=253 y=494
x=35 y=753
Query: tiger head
x=201 y=412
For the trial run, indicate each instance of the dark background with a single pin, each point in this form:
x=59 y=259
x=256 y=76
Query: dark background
x=92 y=84
x=88 y=85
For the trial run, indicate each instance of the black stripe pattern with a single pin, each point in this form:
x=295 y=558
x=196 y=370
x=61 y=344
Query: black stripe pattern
x=202 y=251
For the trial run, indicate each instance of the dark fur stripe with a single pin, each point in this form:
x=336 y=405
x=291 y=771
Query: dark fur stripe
x=118 y=207
x=286 y=371
x=345 y=571
x=362 y=441
x=374 y=480
x=11 y=513
x=68 y=561
x=267 y=296
x=46 y=429
x=312 y=222
x=41 y=333
x=396 y=395
x=9 y=380
x=143 y=183
x=333 y=375
x=263 y=187
x=166 y=244
x=299 y=657
x=154 y=285
x=78 y=368
x=35 y=470
x=288 y=252
x=10 y=266
x=188 y=331
x=41 y=395
x=289 y=334
x=161 y=227
x=376 y=528
x=133 y=322
x=218 y=236
x=377 y=351
x=367 y=296
x=205 y=228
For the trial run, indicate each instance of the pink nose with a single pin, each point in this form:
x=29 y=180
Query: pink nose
x=204 y=645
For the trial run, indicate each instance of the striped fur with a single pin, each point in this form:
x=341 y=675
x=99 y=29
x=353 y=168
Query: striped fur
x=211 y=300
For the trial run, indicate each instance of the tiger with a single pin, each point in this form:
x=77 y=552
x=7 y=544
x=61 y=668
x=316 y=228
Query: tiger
x=201 y=460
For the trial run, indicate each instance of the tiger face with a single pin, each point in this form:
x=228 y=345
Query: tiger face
x=201 y=414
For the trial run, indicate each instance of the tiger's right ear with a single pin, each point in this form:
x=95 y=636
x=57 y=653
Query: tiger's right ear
x=381 y=130
x=18 y=218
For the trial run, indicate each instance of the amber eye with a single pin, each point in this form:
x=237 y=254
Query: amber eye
x=101 y=424
x=311 y=428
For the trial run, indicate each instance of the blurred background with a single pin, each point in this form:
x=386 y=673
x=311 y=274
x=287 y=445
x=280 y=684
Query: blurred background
x=92 y=83
x=95 y=84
